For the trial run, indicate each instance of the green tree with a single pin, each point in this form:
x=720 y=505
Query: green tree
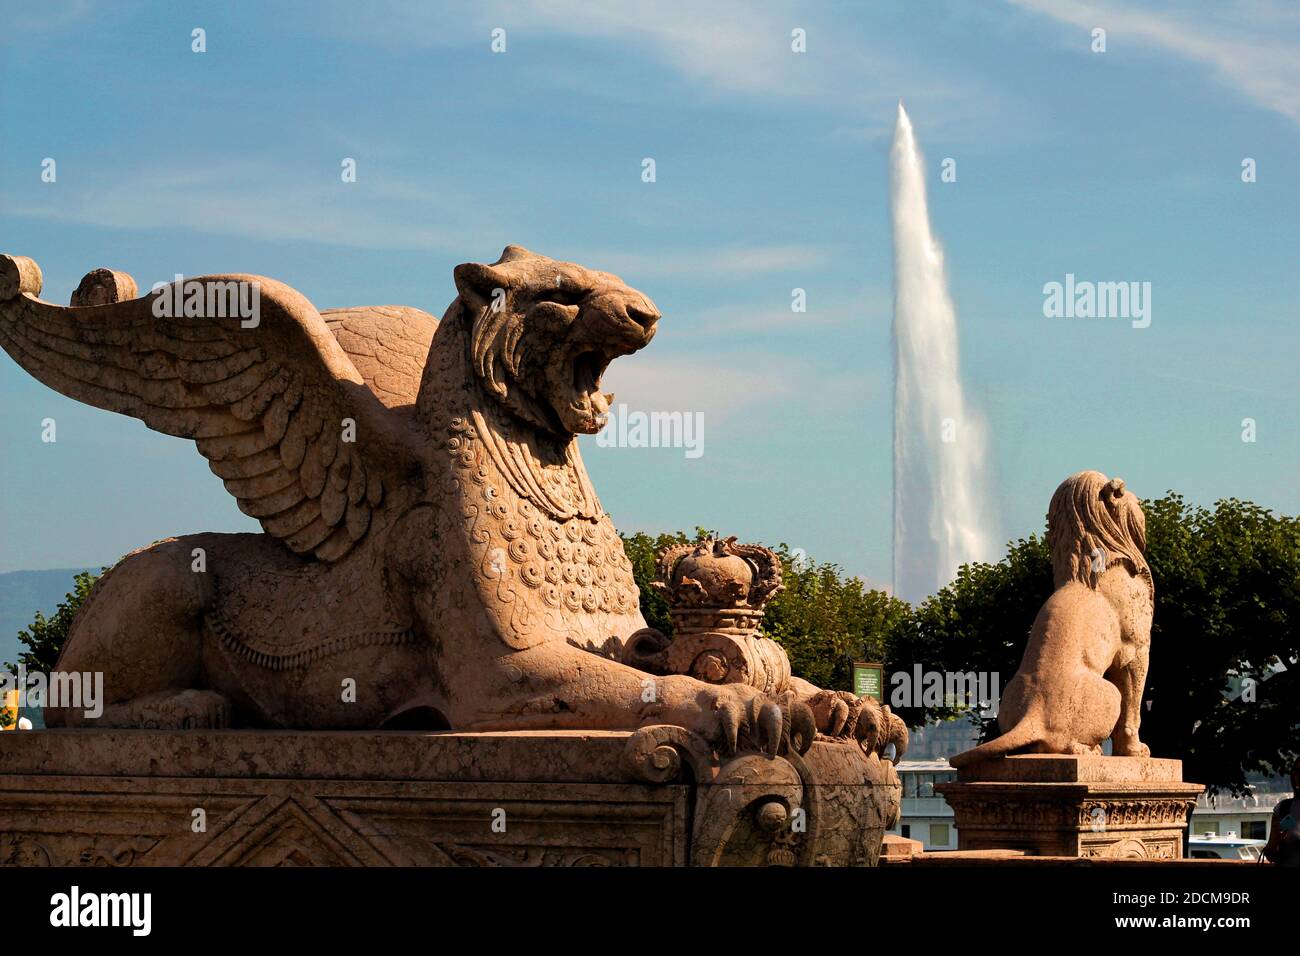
x=825 y=620
x=1227 y=616
x=45 y=636
x=1227 y=604
x=822 y=618
x=979 y=622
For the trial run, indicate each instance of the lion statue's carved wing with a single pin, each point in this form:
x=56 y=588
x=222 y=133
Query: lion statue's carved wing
x=267 y=406
x=388 y=345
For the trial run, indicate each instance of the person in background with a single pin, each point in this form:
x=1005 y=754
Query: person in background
x=1283 y=847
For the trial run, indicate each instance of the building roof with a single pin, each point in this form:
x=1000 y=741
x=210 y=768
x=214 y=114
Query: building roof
x=924 y=766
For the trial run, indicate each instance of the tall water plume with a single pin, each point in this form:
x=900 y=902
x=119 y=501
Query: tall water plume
x=940 y=499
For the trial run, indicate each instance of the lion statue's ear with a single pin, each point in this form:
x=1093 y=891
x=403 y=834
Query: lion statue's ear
x=485 y=291
x=511 y=253
x=481 y=286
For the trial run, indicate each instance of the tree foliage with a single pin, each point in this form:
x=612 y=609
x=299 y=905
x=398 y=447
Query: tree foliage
x=979 y=622
x=1227 y=583
x=1224 y=685
x=824 y=619
x=1227 y=616
x=1224 y=682
x=45 y=636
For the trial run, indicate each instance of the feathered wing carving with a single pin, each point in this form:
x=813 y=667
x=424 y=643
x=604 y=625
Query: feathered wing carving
x=266 y=405
x=388 y=345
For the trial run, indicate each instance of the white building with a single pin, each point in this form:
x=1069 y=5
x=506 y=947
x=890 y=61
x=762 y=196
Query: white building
x=1247 y=817
x=926 y=815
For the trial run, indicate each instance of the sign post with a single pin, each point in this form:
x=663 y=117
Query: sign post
x=869 y=680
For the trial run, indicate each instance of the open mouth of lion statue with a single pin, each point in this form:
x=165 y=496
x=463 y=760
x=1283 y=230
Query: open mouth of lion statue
x=589 y=404
x=609 y=324
x=546 y=331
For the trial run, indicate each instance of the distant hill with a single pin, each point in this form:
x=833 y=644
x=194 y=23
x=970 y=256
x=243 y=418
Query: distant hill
x=22 y=594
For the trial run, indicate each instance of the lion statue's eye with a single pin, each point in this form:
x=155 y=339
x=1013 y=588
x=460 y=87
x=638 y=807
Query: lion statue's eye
x=561 y=296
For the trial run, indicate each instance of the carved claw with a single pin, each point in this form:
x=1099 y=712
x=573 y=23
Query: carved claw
x=737 y=717
x=836 y=713
x=893 y=731
x=872 y=725
x=729 y=719
x=839 y=717
x=769 y=728
x=871 y=728
x=801 y=724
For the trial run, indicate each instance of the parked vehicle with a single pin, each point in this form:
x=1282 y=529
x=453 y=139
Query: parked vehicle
x=1231 y=847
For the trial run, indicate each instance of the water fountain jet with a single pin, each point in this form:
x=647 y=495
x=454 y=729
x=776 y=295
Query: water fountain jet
x=940 y=502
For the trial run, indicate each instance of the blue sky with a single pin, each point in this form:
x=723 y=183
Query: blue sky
x=771 y=175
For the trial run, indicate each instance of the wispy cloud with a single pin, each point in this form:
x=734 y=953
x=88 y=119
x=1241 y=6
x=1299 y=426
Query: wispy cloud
x=713 y=262
x=1248 y=46
x=247 y=199
x=723 y=48
x=51 y=17
x=726 y=45
x=825 y=309
x=752 y=392
x=719 y=392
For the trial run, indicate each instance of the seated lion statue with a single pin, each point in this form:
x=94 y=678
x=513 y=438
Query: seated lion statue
x=1085 y=666
x=434 y=554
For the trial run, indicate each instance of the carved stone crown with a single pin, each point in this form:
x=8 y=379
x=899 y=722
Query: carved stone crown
x=718 y=574
x=717 y=591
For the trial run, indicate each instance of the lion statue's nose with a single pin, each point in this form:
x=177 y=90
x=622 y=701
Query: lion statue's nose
x=627 y=305
x=641 y=311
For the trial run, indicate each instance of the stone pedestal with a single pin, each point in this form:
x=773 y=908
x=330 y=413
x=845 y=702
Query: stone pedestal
x=1050 y=805
x=655 y=797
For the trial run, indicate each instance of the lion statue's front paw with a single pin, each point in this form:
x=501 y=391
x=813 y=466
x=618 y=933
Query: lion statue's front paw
x=836 y=712
x=1133 y=749
x=737 y=716
x=842 y=715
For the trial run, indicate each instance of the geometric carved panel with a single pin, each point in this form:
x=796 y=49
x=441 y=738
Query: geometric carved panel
x=267 y=822
x=561 y=798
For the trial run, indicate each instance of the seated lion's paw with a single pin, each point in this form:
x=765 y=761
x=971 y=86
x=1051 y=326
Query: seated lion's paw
x=732 y=716
x=745 y=715
x=835 y=712
x=1135 y=749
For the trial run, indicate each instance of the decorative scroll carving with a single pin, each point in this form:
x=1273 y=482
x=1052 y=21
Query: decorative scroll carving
x=655 y=754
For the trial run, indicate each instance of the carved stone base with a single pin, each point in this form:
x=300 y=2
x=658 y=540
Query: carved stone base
x=1051 y=805
x=656 y=797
